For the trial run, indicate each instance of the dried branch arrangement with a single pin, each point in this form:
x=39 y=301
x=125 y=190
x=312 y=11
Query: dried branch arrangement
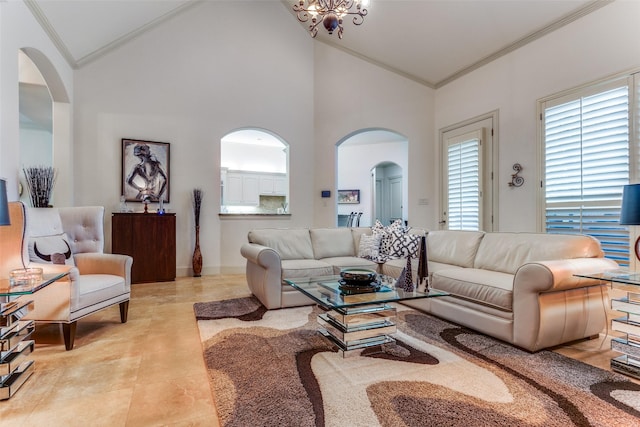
x=40 y=182
x=197 y=204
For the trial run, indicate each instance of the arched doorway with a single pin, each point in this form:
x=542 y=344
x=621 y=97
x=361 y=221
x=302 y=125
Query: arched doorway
x=37 y=70
x=358 y=157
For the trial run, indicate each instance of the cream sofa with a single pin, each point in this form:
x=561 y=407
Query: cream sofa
x=276 y=254
x=517 y=287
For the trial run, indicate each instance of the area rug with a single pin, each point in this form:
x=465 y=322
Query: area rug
x=272 y=368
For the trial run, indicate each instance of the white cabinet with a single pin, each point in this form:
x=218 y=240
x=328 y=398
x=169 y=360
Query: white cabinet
x=273 y=184
x=233 y=189
x=251 y=190
x=245 y=188
x=280 y=185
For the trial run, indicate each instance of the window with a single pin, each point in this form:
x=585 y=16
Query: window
x=586 y=164
x=463 y=182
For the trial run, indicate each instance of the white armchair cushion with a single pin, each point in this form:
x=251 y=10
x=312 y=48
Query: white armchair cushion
x=91 y=289
x=85 y=227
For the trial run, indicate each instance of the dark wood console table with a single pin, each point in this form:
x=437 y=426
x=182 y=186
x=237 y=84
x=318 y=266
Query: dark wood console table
x=151 y=240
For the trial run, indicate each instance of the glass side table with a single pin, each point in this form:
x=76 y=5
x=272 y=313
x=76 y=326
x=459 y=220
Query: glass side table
x=15 y=345
x=629 y=362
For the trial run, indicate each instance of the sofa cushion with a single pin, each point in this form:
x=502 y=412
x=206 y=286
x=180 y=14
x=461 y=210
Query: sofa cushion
x=289 y=243
x=369 y=246
x=332 y=242
x=340 y=263
x=491 y=288
x=93 y=289
x=394 y=267
x=53 y=249
x=506 y=252
x=357 y=233
x=386 y=234
x=404 y=245
x=305 y=268
x=453 y=246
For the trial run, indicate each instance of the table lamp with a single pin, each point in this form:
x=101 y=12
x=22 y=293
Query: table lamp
x=4 y=204
x=630 y=210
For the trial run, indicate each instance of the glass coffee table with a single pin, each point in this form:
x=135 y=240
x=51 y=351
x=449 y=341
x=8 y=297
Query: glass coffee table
x=629 y=324
x=15 y=333
x=356 y=321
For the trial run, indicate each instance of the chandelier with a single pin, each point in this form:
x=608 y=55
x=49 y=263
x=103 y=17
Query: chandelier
x=330 y=13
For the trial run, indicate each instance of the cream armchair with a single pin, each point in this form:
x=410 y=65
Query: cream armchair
x=96 y=280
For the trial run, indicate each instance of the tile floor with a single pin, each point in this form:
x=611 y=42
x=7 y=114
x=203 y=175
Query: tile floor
x=149 y=371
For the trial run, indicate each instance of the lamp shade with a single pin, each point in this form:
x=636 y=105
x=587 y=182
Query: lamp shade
x=630 y=210
x=4 y=204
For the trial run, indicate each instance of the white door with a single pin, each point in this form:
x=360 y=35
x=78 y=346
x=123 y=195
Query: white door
x=395 y=197
x=467 y=193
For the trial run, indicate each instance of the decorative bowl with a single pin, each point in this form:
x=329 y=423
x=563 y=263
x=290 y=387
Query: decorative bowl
x=358 y=277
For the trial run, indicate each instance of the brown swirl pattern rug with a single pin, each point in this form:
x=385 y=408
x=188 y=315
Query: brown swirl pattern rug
x=271 y=368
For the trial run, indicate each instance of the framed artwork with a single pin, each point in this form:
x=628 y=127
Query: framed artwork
x=346 y=197
x=145 y=170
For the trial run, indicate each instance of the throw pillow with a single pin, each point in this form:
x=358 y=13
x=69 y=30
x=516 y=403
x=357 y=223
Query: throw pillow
x=405 y=245
x=369 y=246
x=387 y=233
x=51 y=249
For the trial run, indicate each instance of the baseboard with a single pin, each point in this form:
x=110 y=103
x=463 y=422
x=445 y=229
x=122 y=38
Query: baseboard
x=209 y=271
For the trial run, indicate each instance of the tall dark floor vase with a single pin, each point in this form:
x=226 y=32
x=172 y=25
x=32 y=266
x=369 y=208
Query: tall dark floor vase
x=197 y=255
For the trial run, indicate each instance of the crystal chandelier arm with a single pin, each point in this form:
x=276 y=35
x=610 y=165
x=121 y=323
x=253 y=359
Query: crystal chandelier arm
x=329 y=12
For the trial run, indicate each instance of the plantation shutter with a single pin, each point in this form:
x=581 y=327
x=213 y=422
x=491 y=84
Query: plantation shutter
x=587 y=164
x=464 y=182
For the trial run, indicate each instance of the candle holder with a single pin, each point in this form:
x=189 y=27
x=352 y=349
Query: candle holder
x=25 y=276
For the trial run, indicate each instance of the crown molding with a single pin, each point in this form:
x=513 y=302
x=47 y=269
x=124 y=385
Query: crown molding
x=565 y=20
x=535 y=35
x=98 y=53
x=37 y=13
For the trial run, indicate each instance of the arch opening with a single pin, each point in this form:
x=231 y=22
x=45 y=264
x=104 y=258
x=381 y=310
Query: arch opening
x=254 y=172
x=374 y=162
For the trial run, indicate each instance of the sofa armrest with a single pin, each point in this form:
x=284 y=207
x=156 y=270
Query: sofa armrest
x=101 y=263
x=551 y=305
x=264 y=274
x=558 y=275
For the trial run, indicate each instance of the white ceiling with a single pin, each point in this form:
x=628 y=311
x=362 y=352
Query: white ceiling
x=429 y=41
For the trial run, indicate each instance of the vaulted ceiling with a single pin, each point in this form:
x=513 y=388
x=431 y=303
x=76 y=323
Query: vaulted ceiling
x=429 y=41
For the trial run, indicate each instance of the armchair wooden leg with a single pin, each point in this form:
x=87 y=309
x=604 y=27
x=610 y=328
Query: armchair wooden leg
x=124 y=311
x=69 y=332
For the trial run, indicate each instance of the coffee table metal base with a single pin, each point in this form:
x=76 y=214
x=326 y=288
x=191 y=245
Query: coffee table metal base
x=356 y=328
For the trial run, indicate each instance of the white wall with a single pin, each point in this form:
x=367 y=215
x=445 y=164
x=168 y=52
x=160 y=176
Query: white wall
x=217 y=67
x=252 y=157
x=351 y=95
x=602 y=43
x=190 y=82
x=19 y=29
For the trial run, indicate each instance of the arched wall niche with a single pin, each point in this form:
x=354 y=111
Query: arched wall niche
x=254 y=172
x=62 y=144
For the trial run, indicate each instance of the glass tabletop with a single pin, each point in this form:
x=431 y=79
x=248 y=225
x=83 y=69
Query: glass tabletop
x=7 y=290
x=326 y=292
x=616 y=276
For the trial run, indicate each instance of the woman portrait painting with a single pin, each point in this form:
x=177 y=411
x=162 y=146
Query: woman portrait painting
x=145 y=170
